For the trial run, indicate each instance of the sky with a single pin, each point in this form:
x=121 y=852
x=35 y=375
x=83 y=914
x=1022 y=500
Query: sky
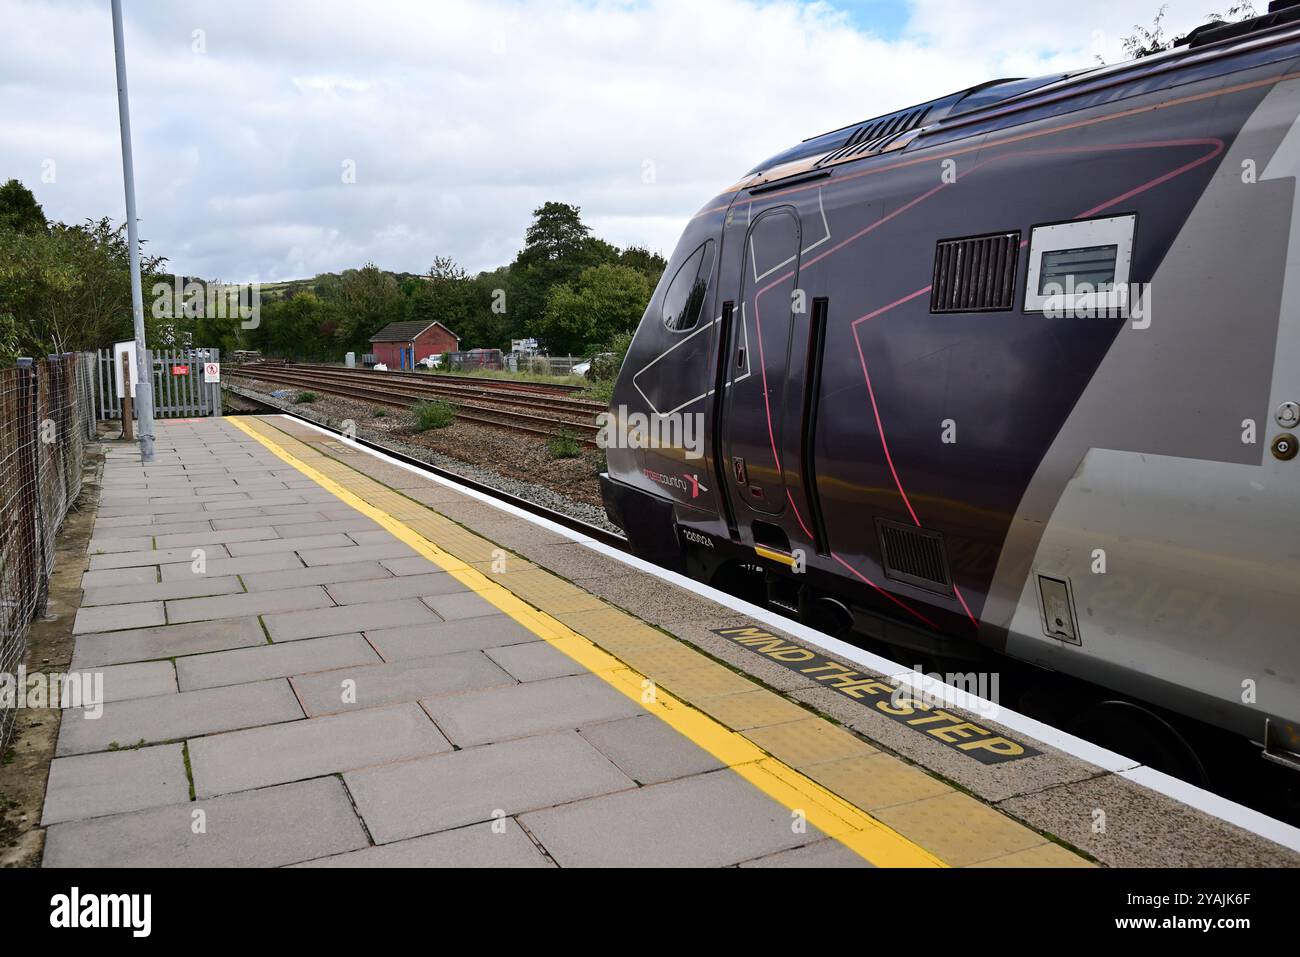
x=283 y=138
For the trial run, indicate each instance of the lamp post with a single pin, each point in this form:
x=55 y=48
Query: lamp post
x=143 y=388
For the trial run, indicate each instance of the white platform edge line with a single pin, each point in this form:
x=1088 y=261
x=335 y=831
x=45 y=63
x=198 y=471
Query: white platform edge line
x=1239 y=815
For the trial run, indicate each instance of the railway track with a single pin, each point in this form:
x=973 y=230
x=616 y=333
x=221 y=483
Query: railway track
x=500 y=385
x=398 y=392
x=604 y=535
x=418 y=382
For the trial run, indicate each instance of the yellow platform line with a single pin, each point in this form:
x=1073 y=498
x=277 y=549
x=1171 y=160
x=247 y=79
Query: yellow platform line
x=829 y=813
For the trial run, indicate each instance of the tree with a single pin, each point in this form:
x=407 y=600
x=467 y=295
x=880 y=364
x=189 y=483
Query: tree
x=369 y=300
x=1146 y=42
x=605 y=300
x=651 y=265
x=557 y=247
x=445 y=295
x=66 y=288
x=19 y=210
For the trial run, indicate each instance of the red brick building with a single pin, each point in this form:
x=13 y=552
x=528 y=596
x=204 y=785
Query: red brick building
x=399 y=345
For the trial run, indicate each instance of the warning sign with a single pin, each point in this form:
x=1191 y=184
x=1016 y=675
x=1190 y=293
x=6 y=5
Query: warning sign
x=180 y=370
x=212 y=372
x=900 y=702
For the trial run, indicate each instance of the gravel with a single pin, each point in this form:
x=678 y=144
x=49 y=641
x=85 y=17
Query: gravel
x=512 y=462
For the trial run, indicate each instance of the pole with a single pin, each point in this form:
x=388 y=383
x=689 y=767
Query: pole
x=126 y=398
x=144 y=387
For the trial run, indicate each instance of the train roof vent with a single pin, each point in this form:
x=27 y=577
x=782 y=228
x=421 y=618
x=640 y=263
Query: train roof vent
x=914 y=556
x=877 y=136
x=976 y=274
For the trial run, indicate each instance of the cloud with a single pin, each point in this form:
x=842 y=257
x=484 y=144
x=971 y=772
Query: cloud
x=461 y=117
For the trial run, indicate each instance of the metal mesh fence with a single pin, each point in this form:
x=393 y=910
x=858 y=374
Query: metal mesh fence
x=46 y=418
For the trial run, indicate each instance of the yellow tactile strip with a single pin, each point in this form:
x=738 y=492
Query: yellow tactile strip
x=889 y=812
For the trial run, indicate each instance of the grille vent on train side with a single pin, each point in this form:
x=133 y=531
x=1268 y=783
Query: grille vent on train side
x=914 y=555
x=977 y=274
x=876 y=136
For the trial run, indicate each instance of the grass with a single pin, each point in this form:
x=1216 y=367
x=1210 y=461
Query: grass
x=304 y=397
x=433 y=415
x=564 y=445
x=602 y=390
x=378 y=413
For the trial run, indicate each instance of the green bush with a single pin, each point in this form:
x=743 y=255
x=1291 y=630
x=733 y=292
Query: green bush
x=304 y=397
x=433 y=415
x=564 y=445
x=378 y=413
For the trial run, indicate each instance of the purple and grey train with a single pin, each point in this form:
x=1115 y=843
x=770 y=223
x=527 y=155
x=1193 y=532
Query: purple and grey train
x=1012 y=372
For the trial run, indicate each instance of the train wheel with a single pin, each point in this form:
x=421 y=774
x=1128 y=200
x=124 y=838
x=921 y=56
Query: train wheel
x=1142 y=735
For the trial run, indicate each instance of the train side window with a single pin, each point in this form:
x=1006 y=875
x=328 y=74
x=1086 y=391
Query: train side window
x=1081 y=266
x=685 y=296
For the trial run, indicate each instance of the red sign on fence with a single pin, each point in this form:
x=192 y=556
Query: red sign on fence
x=180 y=370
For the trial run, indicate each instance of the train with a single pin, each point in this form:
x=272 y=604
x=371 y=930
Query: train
x=1012 y=375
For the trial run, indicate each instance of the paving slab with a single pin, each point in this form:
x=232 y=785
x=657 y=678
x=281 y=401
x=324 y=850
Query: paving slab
x=459 y=605
x=649 y=751
x=534 y=661
x=106 y=546
x=824 y=853
x=295 y=544
x=92 y=785
x=393 y=588
x=249 y=603
x=182 y=715
x=273 y=661
x=272 y=827
x=214 y=537
x=501 y=843
x=359 y=523
x=370 y=686
x=709 y=820
x=310 y=517
x=356 y=553
x=149 y=531
x=316 y=575
x=421 y=641
x=410 y=565
x=143 y=680
x=169 y=641
x=481 y=717
x=247 y=565
x=157 y=556
x=118 y=617
x=194 y=587
x=279 y=498
x=452 y=790
x=104 y=578
x=296 y=625
x=374 y=536
x=240 y=760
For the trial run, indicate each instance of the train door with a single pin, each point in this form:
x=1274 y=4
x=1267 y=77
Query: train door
x=755 y=359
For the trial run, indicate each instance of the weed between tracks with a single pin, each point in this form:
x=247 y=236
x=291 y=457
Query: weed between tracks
x=436 y=414
x=566 y=445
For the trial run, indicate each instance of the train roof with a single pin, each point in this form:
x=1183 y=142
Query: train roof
x=1213 y=39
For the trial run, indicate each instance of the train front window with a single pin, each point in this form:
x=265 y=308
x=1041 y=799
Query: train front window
x=685 y=296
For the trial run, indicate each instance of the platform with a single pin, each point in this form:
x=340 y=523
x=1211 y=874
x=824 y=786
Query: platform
x=313 y=656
